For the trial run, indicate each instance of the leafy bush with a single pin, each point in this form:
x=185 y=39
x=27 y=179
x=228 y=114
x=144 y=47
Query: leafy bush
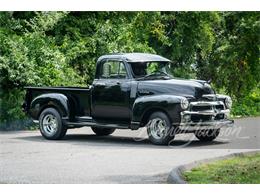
x=29 y=58
x=12 y=116
x=248 y=106
x=11 y=105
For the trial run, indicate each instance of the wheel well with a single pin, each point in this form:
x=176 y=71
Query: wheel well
x=149 y=112
x=48 y=106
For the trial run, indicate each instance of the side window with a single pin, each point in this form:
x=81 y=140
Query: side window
x=121 y=71
x=113 y=70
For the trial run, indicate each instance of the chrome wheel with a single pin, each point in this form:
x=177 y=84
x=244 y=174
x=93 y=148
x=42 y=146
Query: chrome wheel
x=50 y=124
x=158 y=128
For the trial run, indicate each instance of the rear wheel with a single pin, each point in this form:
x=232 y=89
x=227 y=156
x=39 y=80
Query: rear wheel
x=102 y=131
x=207 y=135
x=51 y=126
x=159 y=129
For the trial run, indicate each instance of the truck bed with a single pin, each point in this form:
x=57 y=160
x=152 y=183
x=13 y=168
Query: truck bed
x=80 y=97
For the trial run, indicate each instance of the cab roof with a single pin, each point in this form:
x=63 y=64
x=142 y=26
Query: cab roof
x=135 y=57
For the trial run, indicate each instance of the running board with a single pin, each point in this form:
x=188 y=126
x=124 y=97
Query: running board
x=93 y=124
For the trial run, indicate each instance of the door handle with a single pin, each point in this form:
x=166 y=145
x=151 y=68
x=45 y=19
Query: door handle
x=101 y=84
x=114 y=82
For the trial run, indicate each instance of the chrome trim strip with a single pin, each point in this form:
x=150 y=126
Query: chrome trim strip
x=84 y=118
x=206 y=112
x=213 y=96
x=207 y=123
x=35 y=121
x=191 y=126
x=210 y=96
x=205 y=103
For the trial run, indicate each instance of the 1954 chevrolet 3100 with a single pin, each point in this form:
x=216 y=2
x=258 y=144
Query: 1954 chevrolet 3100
x=131 y=91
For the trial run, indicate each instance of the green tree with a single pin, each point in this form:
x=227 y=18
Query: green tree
x=233 y=63
x=61 y=48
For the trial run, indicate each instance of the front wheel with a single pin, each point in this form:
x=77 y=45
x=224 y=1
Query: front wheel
x=102 y=131
x=51 y=126
x=207 y=135
x=159 y=129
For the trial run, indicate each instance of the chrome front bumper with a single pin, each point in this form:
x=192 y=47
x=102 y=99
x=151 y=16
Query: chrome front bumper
x=195 y=126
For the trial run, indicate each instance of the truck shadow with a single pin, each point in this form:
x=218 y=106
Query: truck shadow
x=122 y=141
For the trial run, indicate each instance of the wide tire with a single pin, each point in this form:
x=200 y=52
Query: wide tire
x=207 y=135
x=51 y=126
x=159 y=129
x=102 y=131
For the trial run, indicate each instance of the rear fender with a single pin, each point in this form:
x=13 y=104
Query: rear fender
x=56 y=100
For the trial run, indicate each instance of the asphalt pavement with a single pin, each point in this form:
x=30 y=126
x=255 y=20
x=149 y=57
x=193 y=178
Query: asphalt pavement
x=124 y=157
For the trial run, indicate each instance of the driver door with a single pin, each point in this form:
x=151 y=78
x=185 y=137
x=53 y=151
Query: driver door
x=110 y=95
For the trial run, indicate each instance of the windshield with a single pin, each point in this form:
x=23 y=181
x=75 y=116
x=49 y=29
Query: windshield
x=151 y=70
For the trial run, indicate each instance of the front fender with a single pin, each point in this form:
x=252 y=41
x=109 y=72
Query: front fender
x=170 y=104
x=57 y=100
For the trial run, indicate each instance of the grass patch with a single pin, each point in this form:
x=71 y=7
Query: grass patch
x=236 y=170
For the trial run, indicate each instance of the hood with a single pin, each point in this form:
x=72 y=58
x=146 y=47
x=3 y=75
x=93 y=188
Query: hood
x=180 y=87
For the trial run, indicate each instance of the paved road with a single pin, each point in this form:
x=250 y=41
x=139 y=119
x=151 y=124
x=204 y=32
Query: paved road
x=25 y=157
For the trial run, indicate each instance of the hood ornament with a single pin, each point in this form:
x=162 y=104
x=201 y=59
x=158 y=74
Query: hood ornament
x=211 y=97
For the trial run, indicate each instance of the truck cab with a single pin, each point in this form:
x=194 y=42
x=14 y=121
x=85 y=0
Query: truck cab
x=132 y=90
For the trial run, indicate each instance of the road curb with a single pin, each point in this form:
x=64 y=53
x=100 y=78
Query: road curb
x=175 y=176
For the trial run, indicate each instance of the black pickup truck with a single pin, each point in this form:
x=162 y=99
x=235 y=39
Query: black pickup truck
x=131 y=91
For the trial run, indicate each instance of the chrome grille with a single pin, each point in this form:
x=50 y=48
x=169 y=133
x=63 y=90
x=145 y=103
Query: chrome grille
x=205 y=105
x=206 y=110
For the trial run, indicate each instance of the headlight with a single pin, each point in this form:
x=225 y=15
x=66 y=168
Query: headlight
x=228 y=102
x=184 y=103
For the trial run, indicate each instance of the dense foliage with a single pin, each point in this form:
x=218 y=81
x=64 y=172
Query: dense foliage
x=60 y=48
